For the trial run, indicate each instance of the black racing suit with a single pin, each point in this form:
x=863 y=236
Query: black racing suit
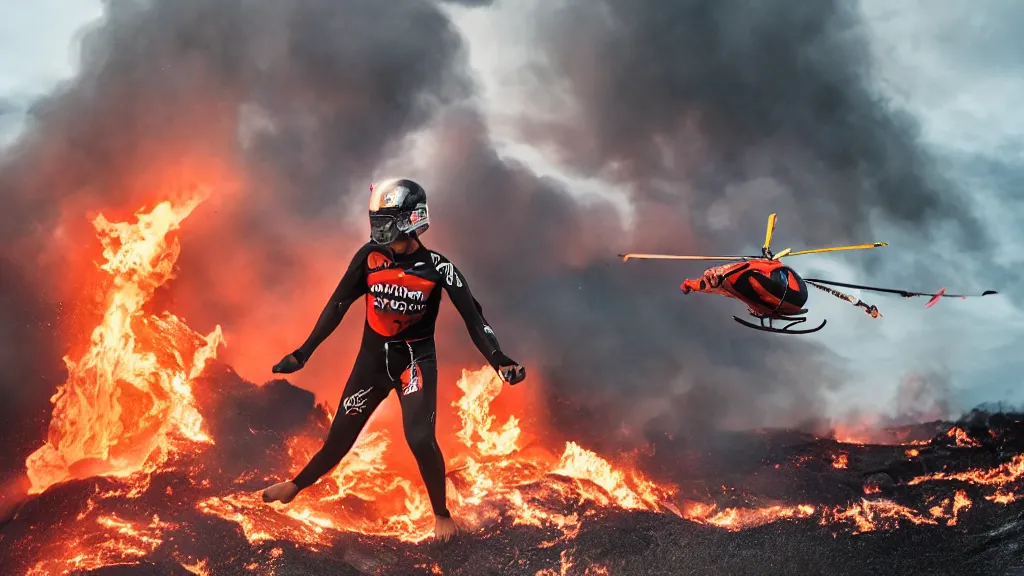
x=397 y=352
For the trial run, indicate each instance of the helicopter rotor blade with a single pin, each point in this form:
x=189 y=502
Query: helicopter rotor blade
x=786 y=252
x=836 y=249
x=626 y=257
x=769 y=232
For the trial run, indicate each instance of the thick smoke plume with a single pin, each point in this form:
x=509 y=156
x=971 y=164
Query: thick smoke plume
x=710 y=113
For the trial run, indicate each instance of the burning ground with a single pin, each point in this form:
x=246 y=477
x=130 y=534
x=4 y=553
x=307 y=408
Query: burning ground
x=156 y=452
x=797 y=504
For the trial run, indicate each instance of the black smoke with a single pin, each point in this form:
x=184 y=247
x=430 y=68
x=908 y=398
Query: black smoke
x=307 y=97
x=708 y=113
x=771 y=94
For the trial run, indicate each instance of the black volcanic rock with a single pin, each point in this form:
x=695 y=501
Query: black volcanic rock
x=252 y=423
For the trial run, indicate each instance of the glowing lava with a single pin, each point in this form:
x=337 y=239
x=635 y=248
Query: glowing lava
x=129 y=395
x=999 y=476
x=961 y=438
x=840 y=461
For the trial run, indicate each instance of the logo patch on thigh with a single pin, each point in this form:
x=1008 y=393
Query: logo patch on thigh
x=411 y=381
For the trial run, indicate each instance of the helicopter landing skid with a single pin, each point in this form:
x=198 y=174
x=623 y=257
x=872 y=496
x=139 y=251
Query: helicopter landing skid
x=787 y=329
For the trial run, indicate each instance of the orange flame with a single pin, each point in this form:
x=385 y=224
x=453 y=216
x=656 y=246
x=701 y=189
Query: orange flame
x=567 y=563
x=130 y=392
x=1002 y=497
x=962 y=439
x=735 y=519
x=999 y=476
x=839 y=462
x=871 y=515
x=116 y=541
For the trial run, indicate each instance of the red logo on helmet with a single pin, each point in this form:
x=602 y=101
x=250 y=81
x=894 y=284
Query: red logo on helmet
x=414 y=217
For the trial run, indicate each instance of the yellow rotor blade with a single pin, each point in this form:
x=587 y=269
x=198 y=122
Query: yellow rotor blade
x=672 y=257
x=770 y=231
x=835 y=249
x=785 y=252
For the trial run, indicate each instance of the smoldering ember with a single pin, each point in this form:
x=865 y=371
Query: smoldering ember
x=156 y=452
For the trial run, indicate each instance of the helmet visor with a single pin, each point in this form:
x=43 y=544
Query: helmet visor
x=383 y=228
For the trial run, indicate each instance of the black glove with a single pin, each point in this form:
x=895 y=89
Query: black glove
x=290 y=363
x=510 y=370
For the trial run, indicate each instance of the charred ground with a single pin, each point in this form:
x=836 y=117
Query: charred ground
x=876 y=508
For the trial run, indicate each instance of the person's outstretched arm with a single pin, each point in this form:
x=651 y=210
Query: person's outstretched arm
x=472 y=314
x=349 y=289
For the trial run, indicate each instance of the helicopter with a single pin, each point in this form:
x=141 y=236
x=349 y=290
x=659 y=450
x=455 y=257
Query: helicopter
x=773 y=291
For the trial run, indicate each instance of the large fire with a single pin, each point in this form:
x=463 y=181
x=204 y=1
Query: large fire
x=129 y=396
x=127 y=415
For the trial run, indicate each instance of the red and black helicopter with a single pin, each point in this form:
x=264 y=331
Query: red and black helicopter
x=773 y=291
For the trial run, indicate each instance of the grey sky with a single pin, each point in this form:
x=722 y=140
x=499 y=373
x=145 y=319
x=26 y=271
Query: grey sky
x=37 y=50
x=37 y=41
x=958 y=68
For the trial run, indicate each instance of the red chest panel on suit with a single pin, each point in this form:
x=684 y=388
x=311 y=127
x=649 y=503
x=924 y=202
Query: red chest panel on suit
x=396 y=298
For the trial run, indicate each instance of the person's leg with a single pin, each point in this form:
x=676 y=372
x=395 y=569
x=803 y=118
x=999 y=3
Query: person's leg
x=418 y=395
x=365 y=390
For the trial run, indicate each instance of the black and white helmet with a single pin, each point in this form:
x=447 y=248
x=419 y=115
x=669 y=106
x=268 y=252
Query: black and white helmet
x=398 y=206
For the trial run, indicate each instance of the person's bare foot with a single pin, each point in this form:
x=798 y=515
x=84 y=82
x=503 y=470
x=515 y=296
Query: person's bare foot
x=444 y=528
x=283 y=492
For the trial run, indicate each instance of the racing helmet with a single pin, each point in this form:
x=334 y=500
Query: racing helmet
x=398 y=206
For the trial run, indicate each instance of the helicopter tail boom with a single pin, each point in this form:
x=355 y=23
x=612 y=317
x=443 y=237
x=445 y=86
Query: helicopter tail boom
x=904 y=293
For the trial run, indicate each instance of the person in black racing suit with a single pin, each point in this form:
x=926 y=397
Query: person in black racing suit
x=400 y=279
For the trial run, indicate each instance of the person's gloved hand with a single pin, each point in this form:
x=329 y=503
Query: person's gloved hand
x=510 y=370
x=290 y=363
